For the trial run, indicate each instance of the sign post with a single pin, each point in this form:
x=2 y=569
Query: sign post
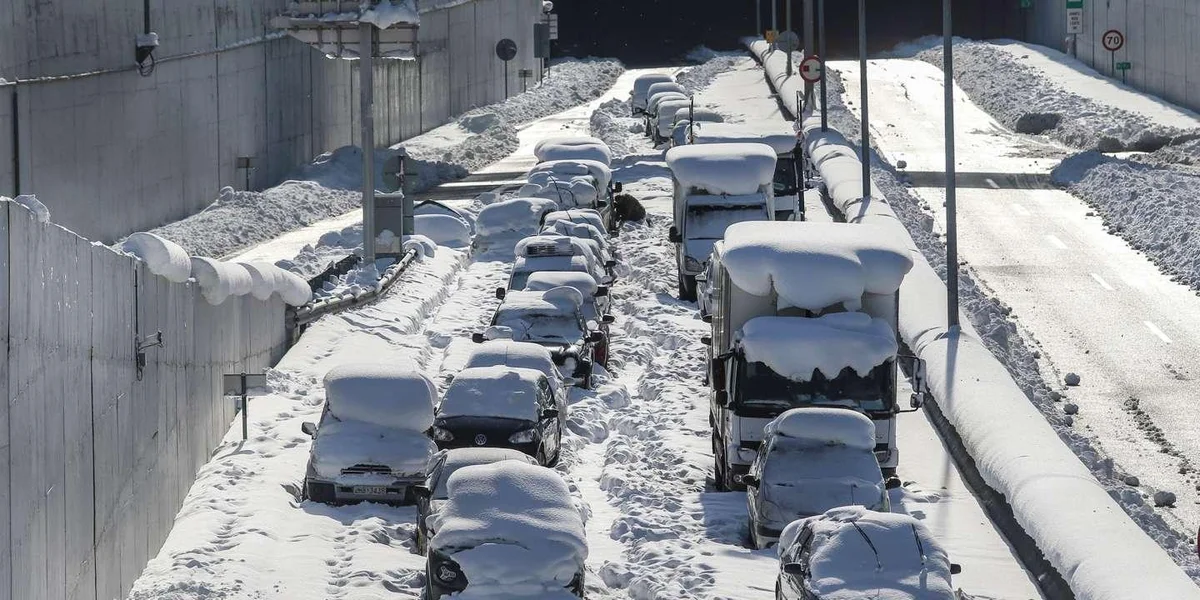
x=788 y=42
x=525 y=75
x=1124 y=68
x=240 y=384
x=1113 y=40
x=1074 y=23
x=811 y=67
x=506 y=50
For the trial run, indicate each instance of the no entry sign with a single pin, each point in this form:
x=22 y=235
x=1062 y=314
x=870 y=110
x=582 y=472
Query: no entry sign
x=810 y=69
x=1113 y=40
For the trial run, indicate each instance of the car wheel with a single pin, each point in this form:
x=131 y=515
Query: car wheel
x=719 y=473
x=778 y=592
x=422 y=543
x=687 y=292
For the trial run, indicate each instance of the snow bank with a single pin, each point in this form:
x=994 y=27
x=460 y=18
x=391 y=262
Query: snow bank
x=712 y=64
x=383 y=394
x=163 y=257
x=35 y=206
x=344 y=444
x=734 y=169
x=518 y=524
x=891 y=567
x=501 y=391
x=794 y=347
x=782 y=138
x=1090 y=541
x=444 y=230
x=220 y=280
x=788 y=257
x=824 y=426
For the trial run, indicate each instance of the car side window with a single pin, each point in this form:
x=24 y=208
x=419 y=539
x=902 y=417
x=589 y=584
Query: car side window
x=545 y=397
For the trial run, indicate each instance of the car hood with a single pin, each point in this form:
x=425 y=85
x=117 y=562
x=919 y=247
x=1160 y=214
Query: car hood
x=343 y=444
x=517 y=570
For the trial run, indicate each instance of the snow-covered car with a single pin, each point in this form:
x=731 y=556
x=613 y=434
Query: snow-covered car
x=812 y=460
x=587 y=233
x=518 y=355
x=432 y=495
x=653 y=104
x=664 y=120
x=590 y=217
x=641 y=89
x=663 y=87
x=573 y=148
x=371 y=442
x=682 y=129
x=502 y=407
x=504 y=223
x=509 y=530
x=555 y=320
x=596 y=302
x=574 y=183
x=789 y=181
x=557 y=253
x=851 y=553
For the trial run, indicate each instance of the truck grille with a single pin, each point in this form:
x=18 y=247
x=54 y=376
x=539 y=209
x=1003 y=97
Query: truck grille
x=367 y=470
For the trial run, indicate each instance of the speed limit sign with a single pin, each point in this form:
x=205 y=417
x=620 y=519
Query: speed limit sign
x=1113 y=40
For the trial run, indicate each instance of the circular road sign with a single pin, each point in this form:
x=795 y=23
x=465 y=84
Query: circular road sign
x=506 y=49
x=787 y=41
x=1113 y=40
x=810 y=69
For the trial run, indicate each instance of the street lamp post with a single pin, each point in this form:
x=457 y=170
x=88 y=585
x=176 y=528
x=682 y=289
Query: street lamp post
x=366 y=82
x=951 y=199
x=824 y=57
x=866 y=116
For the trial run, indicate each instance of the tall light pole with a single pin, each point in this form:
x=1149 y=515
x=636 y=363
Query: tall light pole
x=775 y=15
x=951 y=199
x=824 y=57
x=758 y=29
x=863 y=99
x=366 y=82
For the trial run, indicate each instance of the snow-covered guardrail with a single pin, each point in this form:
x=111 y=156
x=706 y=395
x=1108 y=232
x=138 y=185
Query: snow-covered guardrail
x=1085 y=535
x=303 y=315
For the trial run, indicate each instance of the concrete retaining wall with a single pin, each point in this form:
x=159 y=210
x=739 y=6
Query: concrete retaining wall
x=113 y=152
x=1162 y=42
x=94 y=460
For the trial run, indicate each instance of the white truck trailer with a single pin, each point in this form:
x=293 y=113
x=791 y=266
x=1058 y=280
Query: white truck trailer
x=716 y=186
x=803 y=314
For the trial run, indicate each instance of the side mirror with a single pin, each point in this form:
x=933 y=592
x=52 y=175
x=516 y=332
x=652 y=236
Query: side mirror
x=501 y=293
x=596 y=337
x=550 y=413
x=601 y=291
x=608 y=319
x=421 y=492
x=955 y=569
x=916 y=401
x=892 y=483
x=717 y=368
x=309 y=429
x=750 y=480
x=706 y=340
x=673 y=235
x=901 y=164
x=706 y=318
x=795 y=569
x=610 y=264
x=477 y=338
x=721 y=397
x=618 y=187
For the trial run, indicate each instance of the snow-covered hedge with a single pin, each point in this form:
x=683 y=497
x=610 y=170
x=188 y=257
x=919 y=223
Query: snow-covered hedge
x=1089 y=540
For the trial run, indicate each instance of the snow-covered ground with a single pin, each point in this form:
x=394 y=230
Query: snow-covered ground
x=1091 y=305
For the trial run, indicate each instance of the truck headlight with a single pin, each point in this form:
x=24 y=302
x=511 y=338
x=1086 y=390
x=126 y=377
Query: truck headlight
x=526 y=436
x=692 y=264
x=442 y=435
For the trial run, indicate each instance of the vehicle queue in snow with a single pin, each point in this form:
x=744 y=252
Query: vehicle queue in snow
x=802 y=367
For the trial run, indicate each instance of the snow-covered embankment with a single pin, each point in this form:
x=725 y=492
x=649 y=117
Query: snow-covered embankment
x=1086 y=536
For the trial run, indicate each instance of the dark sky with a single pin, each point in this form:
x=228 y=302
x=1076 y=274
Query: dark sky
x=659 y=31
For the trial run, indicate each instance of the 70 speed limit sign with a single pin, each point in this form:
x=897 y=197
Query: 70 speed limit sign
x=1113 y=40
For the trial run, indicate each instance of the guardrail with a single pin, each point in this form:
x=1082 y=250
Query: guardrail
x=299 y=318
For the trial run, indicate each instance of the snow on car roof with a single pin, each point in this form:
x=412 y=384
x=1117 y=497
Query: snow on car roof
x=815 y=265
x=578 y=166
x=549 y=245
x=794 y=347
x=665 y=86
x=844 y=566
x=781 y=138
x=568 y=140
x=389 y=395
x=512 y=215
x=824 y=426
x=656 y=99
x=668 y=108
x=508 y=353
x=532 y=264
x=501 y=391
x=457 y=458
x=542 y=281
x=642 y=84
x=576 y=216
x=560 y=300
x=573 y=148
x=698 y=115
x=723 y=168
x=344 y=444
x=509 y=524
x=585 y=231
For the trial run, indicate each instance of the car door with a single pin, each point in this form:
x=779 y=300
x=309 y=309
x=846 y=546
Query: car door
x=551 y=428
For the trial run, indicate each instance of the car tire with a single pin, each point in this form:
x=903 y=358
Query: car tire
x=687 y=288
x=778 y=590
x=719 y=473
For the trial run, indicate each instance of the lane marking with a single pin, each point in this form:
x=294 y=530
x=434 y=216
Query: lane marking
x=1020 y=210
x=1158 y=332
x=992 y=183
x=1057 y=243
x=1100 y=280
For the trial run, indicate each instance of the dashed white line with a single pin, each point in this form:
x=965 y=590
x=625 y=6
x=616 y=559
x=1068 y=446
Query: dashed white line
x=992 y=183
x=1057 y=243
x=1020 y=210
x=1157 y=332
x=1100 y=280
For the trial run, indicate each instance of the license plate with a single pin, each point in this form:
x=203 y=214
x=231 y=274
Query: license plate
x=371 y=490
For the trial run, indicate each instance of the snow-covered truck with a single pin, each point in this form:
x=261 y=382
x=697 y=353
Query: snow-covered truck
x=803 y=314
x=715 y=186
x=789 y=180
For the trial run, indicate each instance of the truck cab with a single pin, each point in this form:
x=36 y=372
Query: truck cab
x=715 y=186
x=789 y=180
x=803 y=315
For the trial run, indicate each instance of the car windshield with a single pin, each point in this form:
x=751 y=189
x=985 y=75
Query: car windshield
x=710 y=222
x=760 y=388
x=542 y=328
x=785 y=176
